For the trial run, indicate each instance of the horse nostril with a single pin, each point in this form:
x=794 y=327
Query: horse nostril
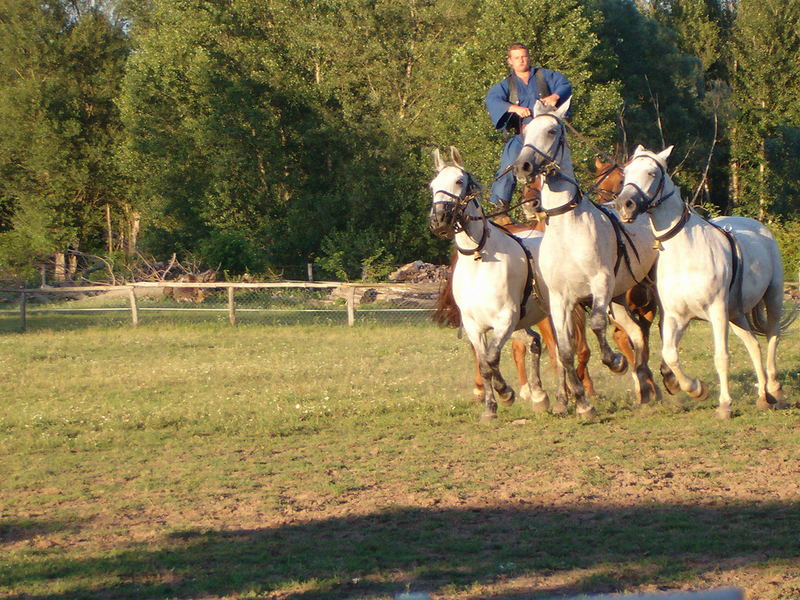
x=629 y=204
x=526 y=166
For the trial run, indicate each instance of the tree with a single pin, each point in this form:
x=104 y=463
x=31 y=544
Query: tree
x=59 y=74
x=766 y=126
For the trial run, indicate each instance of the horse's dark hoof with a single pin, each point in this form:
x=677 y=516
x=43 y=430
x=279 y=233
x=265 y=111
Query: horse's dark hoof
x=619 y=364
x=506 y=397
x=559 y=408
x=586 y=413
x=766 y=402
x=723 y=412
x=670 y=381
x=540 y=403
x=488 y=417
x=700 y=391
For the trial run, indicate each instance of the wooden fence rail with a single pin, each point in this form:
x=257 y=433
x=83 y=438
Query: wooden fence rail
x=231 y=287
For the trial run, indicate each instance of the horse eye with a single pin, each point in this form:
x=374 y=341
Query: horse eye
x=553 y=131
x=460 y=182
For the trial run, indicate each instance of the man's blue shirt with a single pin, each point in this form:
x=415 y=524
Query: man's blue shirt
x=497 y=99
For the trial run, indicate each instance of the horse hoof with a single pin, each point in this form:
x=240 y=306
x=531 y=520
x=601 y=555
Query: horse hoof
x=540 y=405
x=619 y=364
x=723 y=412
x=780 y=401
x=488 y=417
x=559 y=408
x=506 y=398
x=700 y=391
x=765 y=402
x=587 y=414
x=670 y=381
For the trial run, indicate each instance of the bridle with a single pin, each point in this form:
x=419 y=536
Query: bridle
x=457 y=204
x=550 y=168
x=644 y=201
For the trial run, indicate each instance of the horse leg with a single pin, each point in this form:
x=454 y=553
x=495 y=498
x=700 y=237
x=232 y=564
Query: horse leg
x=634 y=336
x=718 y=315
x=477 y=391
x=623 y=342
x=583 y=351
x=598 y=322
x=532 y=388
x=488 y=352
x=742 y=330
x=773 y=299
x=546 y=329
x=519 y=343
x=673 y=328
x=563 y=324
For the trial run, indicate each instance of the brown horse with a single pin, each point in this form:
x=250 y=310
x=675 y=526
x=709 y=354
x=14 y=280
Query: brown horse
x=447 y=313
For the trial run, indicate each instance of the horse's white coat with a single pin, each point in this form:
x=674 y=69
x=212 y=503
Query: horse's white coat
x=578 y=254
x=489 y=290
x=694 y=277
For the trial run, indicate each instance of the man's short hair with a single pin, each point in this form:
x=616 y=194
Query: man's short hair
x=516 y=46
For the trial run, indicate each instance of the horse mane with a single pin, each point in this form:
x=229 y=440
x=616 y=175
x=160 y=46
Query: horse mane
x=446 y=312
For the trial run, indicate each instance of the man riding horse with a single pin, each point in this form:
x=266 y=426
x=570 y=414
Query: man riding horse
x=510 y=105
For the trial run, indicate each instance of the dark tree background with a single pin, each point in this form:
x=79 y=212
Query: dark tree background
x=254 y=135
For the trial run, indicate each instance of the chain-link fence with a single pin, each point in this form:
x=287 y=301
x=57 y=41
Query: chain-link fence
x=276 y=303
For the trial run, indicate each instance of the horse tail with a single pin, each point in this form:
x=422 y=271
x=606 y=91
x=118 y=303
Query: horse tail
x=757 y=319
x=446 y=312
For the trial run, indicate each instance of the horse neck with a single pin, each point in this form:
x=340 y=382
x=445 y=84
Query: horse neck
x=473 y=228
x=667 y=214
x=557 y=191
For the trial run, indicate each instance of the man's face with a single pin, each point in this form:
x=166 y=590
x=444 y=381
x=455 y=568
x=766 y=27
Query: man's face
x=518 y=60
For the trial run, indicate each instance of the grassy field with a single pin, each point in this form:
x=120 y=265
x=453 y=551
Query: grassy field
x=205 y=461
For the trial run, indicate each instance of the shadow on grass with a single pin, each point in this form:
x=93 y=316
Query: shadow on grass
x=663 y=545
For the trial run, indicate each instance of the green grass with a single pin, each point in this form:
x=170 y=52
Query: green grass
x=197 y=460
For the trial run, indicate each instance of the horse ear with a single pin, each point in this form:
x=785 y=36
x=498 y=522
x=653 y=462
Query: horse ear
x=561 y=111
x=599 y=165
x=539 y=108
x=438 y=161
x=456 y=156
x=639 y=150
x=664 y=154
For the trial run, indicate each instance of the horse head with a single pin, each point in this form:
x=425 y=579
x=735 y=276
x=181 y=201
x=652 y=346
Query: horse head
x=454 y=190
x=543 y=141
x=644 y=183
x=608 y=178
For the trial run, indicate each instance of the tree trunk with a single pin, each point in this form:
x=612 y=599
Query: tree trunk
x=109 y=233
x=59 y=269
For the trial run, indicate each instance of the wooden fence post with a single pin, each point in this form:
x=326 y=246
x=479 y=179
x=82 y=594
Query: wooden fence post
x=231 y=307
x=23 y=311
x=351 y=306
x=310 y=268
x=134 y=307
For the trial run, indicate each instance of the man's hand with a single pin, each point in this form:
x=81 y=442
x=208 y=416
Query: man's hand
x=550 y=100
x=519 y=110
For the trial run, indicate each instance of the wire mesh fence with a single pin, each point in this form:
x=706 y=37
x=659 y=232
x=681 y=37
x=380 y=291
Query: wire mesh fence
x=274 y=303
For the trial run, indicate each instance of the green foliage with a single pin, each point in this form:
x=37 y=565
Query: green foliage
x=788 y=236
x=60 y=68
x=266 y=134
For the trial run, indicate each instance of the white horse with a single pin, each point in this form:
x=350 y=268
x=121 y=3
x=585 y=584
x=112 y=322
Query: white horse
x=703 y=274
x=493 y=279
x=585 y=255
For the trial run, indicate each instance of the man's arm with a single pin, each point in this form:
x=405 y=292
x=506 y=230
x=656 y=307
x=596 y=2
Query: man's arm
x=560 y=87
x=500 y=109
